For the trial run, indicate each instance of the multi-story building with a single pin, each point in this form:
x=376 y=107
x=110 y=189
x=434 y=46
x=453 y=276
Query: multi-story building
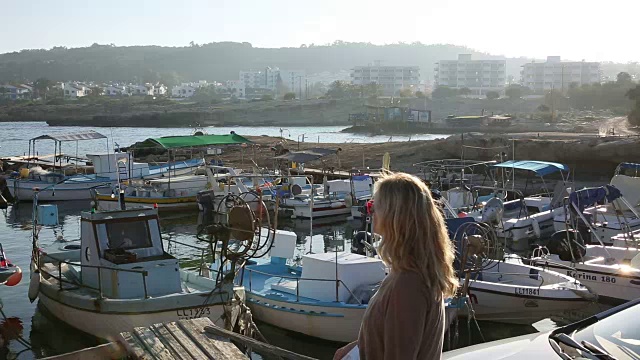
x=75 y=90
x=274 y=78
x=392 y=79
x=479 y=76
x=557 y=75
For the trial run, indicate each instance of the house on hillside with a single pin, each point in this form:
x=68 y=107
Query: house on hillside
x=183 y=91
x=75 y=90
x=159 y=90
x=114 y=90
x=140 y=90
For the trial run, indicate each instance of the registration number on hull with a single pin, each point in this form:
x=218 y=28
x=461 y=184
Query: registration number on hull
x=193 y=313
x=527 y=291
x=590 y=277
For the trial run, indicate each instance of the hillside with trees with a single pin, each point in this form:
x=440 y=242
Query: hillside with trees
x=217 y=61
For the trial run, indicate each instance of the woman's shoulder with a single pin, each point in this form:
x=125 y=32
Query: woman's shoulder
x=410 y=283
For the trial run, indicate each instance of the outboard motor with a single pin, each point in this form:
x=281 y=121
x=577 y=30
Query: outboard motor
x=567 y=244
x=358 y=244
x=204 y=199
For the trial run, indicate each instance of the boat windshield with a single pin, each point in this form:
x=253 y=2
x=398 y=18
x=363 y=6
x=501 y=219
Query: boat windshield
x=616 y=334
x=128 y=235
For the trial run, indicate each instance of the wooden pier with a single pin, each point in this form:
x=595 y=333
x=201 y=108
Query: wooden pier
x=192 y=339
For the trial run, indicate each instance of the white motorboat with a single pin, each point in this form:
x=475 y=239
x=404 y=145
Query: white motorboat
x=512 y=292
x=525 y=218
x=121 y=277
x=611 y=209
x=335 y=199
x=612 y=272
x=508 y=290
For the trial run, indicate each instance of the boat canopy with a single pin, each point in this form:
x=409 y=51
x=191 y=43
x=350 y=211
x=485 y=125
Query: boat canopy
x=590 y=196
x=541 y=168
x=174 y=142
x=85 y=135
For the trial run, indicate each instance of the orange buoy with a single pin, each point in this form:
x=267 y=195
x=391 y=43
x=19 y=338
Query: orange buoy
x=14 y=279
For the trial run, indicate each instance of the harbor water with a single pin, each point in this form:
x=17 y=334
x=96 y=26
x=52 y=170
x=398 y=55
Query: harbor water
x=47 y=336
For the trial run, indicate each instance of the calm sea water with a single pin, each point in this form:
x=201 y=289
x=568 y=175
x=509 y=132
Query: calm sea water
x=14 y=136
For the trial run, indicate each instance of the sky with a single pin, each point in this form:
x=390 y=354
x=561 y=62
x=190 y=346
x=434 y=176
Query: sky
x=573 y=29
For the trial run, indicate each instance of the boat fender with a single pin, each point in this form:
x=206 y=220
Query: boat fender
x=536 y=228
x=15 y=278
x=348 y=200
x=336 y=205
x=34 y=286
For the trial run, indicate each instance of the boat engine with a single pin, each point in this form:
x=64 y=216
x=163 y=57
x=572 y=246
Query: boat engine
x=568 y=245
x=492 y=211
x=361 y=241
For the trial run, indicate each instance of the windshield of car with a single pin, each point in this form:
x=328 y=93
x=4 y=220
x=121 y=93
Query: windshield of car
x=618 y=334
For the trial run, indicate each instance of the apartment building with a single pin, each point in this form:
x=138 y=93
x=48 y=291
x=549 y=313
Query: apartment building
x=555 y=74
x=480 y=76
x=392 y=79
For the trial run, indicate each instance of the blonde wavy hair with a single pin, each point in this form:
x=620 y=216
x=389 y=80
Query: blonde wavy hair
x=414 y=235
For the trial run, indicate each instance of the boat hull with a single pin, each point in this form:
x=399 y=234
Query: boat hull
x=109 y=325
x=24 y=190
x=340 y=324
x=185 y=202
x=613 y=286
x=506 y=306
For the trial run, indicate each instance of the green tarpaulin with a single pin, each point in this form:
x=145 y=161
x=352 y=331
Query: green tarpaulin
x=173 y=142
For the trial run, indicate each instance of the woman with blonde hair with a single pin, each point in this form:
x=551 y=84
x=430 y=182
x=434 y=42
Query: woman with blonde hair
x=406 y=318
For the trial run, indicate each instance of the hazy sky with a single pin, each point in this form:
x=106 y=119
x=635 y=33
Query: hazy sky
x=574 y=29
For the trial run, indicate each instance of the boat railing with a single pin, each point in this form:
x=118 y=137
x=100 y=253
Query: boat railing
x=62 y=281
x=204 y=252
x=338 y=282
x=530 y=276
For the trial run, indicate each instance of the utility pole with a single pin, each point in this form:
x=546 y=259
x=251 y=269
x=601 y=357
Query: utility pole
x=300 y=87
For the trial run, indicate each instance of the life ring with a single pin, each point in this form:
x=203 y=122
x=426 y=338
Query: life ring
x=535 y=226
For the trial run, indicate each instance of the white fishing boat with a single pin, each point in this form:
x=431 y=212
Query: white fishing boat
x=168 y=193
x=335 y=199
x=122 y=277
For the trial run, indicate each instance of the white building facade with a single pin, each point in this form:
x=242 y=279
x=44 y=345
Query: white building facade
x=236 y=88
x=75 y=90
x=480 y=76
x=275 y=79
x=557 y=75
x=392 y=79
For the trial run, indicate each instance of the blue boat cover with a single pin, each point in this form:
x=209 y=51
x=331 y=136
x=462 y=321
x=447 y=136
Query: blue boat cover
x=361 y=177
x=541 y=168
x=590 y=196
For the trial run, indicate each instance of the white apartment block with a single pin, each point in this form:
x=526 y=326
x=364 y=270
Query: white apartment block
x=236 y=88
x=557 y=75
x=269 y=78
x=392 y=79
x=480 y=76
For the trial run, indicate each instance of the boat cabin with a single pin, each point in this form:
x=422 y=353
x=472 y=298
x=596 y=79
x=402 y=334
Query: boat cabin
x=122 y=254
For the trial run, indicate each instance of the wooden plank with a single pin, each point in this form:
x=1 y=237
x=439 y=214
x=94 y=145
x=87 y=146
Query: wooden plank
x=152 y=343
x=185 y=341
x=134 y=348
x=105 y=351
x=222 y=343
x=256 y=345
x=196 y=333
x=170 y=342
